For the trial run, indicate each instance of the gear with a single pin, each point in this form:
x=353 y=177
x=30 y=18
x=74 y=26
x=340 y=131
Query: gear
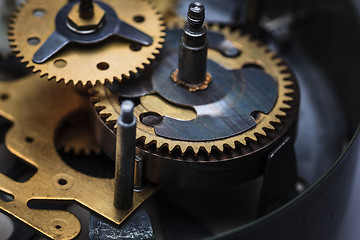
x=109 y=60
x=253 y=55
x=77 y=136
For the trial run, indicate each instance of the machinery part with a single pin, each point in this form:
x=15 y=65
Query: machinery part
x=102 y=62
x=125 y=157
x=139 y=174
x=235 y=157
x=64 y=35
x=136 y=227
x=31 y=138
x=7 y=7
x=252 y=55
x=76 y=135
x=193 y=48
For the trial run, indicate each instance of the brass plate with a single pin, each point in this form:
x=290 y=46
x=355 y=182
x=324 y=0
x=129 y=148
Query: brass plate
x=37 y=107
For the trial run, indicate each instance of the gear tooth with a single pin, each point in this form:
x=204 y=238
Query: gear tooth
x=287 y=98
x=285 y=106
x=220 y=147
x=147 y=141
x=196 y=149
x=87 y=151
x=281 y=114
x=231 y=145
x=262 y=132
x=207 y=148
x=289 y=84
x=253 y=137
x=270 y=127
x=288 y=91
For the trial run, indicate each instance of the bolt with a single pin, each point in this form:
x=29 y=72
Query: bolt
x=196 y=15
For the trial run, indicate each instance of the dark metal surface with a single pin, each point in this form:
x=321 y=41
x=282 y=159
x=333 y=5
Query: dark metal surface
x=63 y=35
x=136 y=227
x=125 y=157
x=279 y=178
x=193 y=47
x=315 y=214
x=223 y=109
x=218 y=42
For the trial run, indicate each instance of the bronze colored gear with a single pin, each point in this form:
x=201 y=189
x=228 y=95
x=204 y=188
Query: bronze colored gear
x=80 y=65
x=77 y=134
x=253 y=53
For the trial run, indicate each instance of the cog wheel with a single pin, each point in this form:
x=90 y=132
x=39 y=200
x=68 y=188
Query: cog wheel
x=77 y=136
x=109 y=60
x=253 y=55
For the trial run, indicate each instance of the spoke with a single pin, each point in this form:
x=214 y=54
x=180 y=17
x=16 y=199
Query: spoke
x=51 y=46
x=130 y=33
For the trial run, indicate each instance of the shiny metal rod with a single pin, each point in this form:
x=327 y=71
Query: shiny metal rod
x=125 y=157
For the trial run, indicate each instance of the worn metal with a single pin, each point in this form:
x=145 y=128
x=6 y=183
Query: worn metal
x=193 y=48
x=125 y=157
x=87 y=64
x=136 y=227
x=194 y=163
x=176 y=100
x=31 y=138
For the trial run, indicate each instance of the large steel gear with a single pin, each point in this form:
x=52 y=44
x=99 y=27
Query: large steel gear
x=253 y=55
x=112 y=59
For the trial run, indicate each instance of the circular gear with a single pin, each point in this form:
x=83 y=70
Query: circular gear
x=76 y=134
x=253 y=54
x=109 y=60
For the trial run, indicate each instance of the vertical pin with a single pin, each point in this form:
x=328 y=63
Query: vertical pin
x=125 y=157
x=193 y=47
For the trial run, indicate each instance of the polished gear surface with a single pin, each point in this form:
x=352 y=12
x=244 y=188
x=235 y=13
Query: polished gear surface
x=109 y=60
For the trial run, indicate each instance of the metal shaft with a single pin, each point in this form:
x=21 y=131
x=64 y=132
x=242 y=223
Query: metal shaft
x=125 y=157
x=138 y=178
x=86 y=9
x=193 y=47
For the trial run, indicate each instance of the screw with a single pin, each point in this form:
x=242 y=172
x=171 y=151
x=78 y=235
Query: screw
x=86 y=9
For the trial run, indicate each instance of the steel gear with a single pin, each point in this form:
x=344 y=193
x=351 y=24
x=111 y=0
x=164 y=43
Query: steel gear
x=109 y=60
x=253 y=54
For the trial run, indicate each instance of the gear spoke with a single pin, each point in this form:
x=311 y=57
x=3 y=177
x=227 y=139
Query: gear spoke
x=51 y=46
x=130 y=33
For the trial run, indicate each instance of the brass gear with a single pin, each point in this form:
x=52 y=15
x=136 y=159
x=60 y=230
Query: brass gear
x=76 y=135
x=68 y=65
x=253 y=53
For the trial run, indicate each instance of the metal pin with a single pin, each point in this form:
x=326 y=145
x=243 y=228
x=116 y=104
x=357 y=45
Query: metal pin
x=193 y=47
x=138 y=178
x=86 y=9
x=125 y=157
